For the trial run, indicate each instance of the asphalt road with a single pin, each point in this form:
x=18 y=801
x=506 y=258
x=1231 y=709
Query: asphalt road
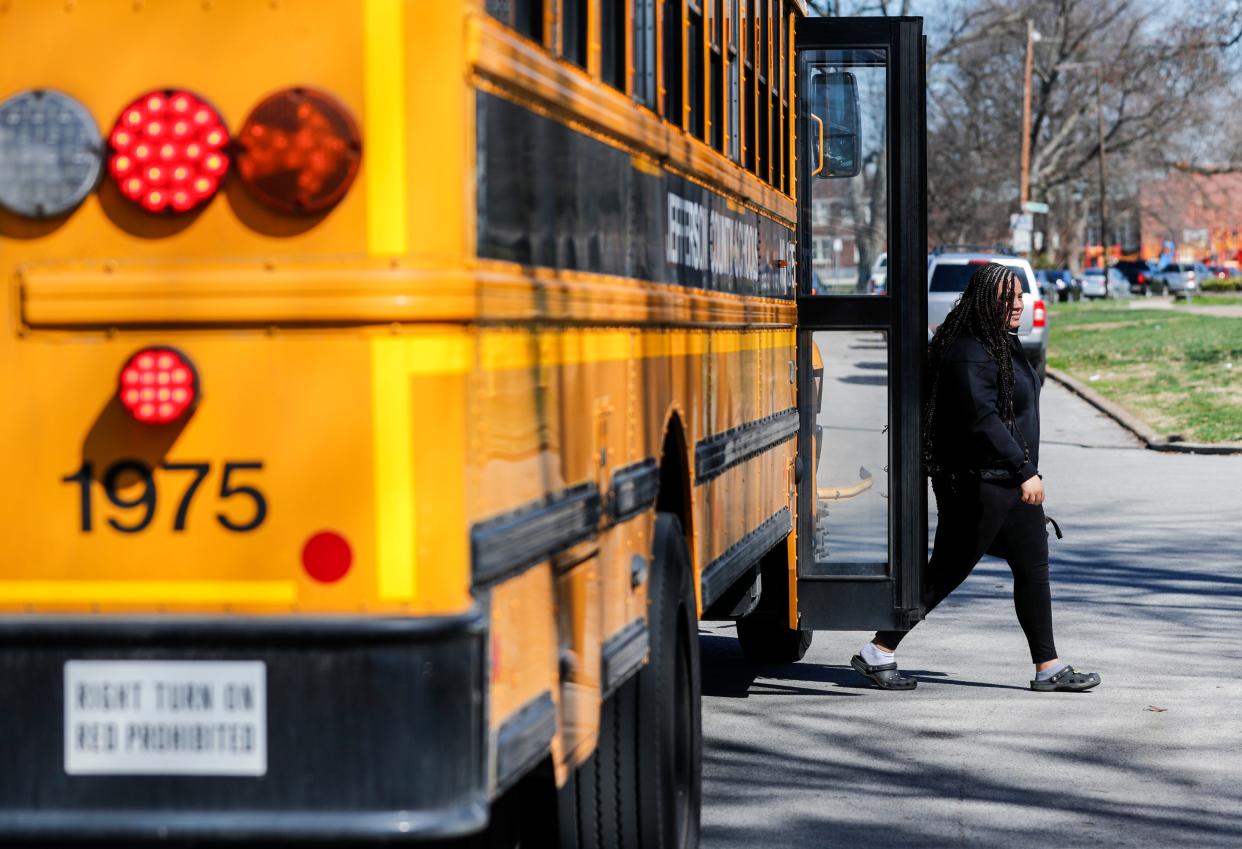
x=1147 y=590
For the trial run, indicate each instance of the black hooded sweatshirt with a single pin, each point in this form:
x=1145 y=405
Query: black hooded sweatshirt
x=970 y=436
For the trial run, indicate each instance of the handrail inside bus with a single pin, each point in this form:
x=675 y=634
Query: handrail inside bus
x=820 y=121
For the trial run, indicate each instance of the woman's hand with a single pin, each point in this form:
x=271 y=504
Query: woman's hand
x=1033 y=490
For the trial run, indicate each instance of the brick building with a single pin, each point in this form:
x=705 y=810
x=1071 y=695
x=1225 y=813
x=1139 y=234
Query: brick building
x=1190 y=217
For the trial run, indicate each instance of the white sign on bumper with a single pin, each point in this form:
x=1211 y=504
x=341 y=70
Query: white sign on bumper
x=155 y=717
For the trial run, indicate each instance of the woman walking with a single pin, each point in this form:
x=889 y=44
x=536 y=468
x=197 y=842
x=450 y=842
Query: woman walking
x=981 y=446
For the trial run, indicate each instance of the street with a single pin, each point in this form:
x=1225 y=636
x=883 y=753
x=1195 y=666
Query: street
x=1147 y=590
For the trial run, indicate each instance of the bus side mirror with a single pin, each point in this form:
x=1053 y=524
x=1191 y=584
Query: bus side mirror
x=834 y=128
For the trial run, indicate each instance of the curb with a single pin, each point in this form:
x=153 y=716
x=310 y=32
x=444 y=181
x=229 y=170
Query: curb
x=1141 y=429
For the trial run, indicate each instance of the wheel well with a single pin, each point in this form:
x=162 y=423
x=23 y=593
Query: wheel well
x=674 y=496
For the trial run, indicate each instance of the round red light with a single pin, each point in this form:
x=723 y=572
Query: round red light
x=326 y=557
x=299 y=151
x=149 y=129
x=158 y=385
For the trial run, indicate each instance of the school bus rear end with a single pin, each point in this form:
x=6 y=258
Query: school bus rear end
x=256 y=619
x=387 y=546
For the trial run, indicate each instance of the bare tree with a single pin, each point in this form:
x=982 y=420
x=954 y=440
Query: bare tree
x=1162 y=75
x=1157 y=79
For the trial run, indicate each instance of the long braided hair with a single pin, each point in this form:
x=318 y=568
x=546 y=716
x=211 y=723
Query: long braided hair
x=983 y=313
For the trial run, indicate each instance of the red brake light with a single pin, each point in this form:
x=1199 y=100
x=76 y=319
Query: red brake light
x=1142 y=278
x=299 y=151
x=169 y=151
x=158 y=385
x=1039 y=315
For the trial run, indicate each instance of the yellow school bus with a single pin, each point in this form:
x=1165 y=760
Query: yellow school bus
x=393 y=385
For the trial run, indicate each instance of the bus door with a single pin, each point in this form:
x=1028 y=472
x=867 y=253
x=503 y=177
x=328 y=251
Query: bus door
x=862 y=265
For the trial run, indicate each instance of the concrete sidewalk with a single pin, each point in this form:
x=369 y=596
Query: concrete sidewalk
x=1147 y=588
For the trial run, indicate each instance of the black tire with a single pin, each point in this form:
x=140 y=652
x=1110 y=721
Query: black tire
x=616 y=797
x=767 y=638
x=669 y=728
x=1041 y=370
x=640 y=789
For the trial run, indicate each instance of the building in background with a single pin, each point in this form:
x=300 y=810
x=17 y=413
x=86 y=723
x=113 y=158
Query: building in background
x=835 y=256
x=1192 y=217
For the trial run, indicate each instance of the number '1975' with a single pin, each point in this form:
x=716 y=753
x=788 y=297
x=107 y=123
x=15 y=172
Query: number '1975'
x=117 y=477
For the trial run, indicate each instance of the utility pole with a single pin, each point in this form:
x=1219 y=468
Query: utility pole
x=1025 y=192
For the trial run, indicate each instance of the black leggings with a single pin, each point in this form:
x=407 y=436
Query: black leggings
x=978 y=518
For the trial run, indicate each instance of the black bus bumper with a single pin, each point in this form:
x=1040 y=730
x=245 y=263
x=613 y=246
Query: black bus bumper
x=375 y=730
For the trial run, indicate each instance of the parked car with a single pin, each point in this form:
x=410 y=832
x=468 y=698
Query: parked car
x=1141 y=275
x=1059 y=285
x=1183 y=278
x=949 y=271
x=877 y=283
x=1093 y=283
x=1047 y=288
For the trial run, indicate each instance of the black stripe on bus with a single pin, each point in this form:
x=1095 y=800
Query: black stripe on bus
x=550 y=195
x=716 y=454
x=622 y=655
x=725 y=569
x=523 y=738
x=634 y=489
x=533 y=533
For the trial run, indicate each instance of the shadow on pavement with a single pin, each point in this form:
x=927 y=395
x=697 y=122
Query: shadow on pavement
x=864 y=759
x=981 y=767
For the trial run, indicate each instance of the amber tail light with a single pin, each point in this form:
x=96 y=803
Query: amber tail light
x=298 y=151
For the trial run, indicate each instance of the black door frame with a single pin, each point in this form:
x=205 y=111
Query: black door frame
x=893 y=600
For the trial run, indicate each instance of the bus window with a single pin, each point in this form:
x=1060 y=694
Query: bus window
x=671 y=17
x=694 y=63
x=778 y=73
x=525 y=16
x=575 y=32
x=715 y=25
x=612 y=42
x=845 y=122
x=735 y=83
x=645 y=53
x=786 y=77
x=763 y=79
x=748 y=91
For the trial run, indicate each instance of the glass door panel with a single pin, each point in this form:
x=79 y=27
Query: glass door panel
x=852 y=455
x=847 y=127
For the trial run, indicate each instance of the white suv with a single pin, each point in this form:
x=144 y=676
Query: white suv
x=877 y=283
x=948 y=272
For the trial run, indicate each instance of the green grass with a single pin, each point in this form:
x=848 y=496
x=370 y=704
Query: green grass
x=1180 y=372
x=1224 y=300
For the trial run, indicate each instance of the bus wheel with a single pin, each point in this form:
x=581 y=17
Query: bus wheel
x=640 y=787
x=765 y=634
x=603 y=790
x=670 y=734
x=767 y=638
